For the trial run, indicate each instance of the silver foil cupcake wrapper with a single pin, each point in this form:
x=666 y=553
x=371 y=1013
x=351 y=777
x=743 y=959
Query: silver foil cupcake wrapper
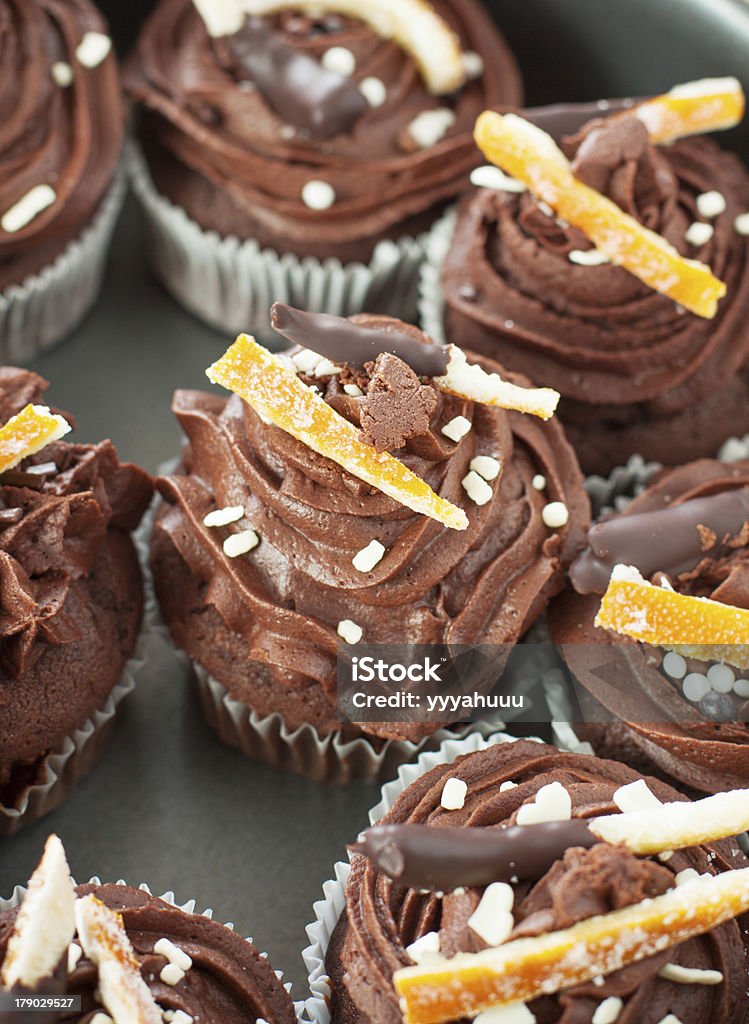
x=231 y=284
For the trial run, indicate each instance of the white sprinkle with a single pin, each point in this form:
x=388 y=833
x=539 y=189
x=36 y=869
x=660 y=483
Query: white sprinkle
x=171 y=974
x=349 y=631
x=666 y=856
x=101 y=1018
x=588 y=257
x=223 y=516
x=555 y=514
x=27 y=208
x=353 y=390
x=288 y=131
x=74 y=955
x=552 y=803
x=741 y=687
x=453 y=794
x=545 y=208
x=240 y=543
x=221 y=17
x=538 y=483
x=477 y=489
x=93 y=49
x=366 y=559
x=473 y=64
x=457 y=428
x=172 y=953
x=721 y=678
x=492 y=919
x=608 y=1011
x=318 y=195
x=695 y=686
x=687 y=875
x=425 y=948
x=507 y=785
x=305 y=360
x=670 y=1018
x=699 y=233
x=689 y=975
x=491 y=177
x=179 y=1017
x=711 y=204
x=599 y=981
x=510 y=1013
x=635 y=796
x=485 y=466
x=674 y=665
x=62 y=74
x=741 y=224
x=326 y=368
x=430 y=126
x=374 y=91
x=340 y=60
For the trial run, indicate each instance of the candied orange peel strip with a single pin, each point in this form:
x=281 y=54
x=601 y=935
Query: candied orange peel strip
x=470 y=381
x=527 y=153
x=279 y=396
x=524 y=969
x=30 y=430
x=694 y=626
x=708 y=105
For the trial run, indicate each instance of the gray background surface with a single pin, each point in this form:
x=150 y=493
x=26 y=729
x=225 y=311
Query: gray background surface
x=168 y=804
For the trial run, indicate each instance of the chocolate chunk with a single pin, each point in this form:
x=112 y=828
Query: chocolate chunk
x=397 y=406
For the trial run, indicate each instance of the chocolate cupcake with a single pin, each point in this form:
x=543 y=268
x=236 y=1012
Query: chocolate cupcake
x=638 y=372
x=276 y=547
x=327 y=134
x=675 y=714
x=120 y=954
x=444 y=891
x=60 y=146
x=71 y=592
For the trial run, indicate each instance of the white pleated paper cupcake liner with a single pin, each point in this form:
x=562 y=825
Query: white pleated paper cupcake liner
x=431 y=297
x=49 y=305
x=231 y=284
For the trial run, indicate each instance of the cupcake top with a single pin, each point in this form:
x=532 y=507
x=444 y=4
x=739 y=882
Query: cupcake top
x=520 y=859
x=60 y=77
x=302 y=553
x=121 y=950
x=524 y=285
x=320 y=127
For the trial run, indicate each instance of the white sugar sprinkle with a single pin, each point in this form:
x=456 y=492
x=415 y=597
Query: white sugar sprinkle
x=179 y=1017
x=425 y=948
x=477 y=489
x=93 y=49
x=340 y=60
x=492 y=177
x=175 y=955
x=492 y=919
x=305 y=360
x=27 y=208
x=240 y=543
x=473 y=64
x=699 y=233
x=171 y=974
x=349 y=631
x=430 y=126
x=670 y=1018
x=457 y=428
x=538 y=483
x=318 y=195
x=689 y=975
x=674 y=665
x=326 y=368
x=510 y=1013
x=721 y=678
x=62 y=74
x=223 y=516
x=695 y=686
x=552 y=803
x=486 y=467
x=101 y=1018
x=687 y=875
x=453 y=794
x=608 y=1011
x=74 y=955
x=711 y=204
x=555 y=515
x=635 y=796
x=741 y=224
x=374 y=91
x=353 y=390
x=366 y=559
x=588 y=257
x=741 y=687
x=505 y=786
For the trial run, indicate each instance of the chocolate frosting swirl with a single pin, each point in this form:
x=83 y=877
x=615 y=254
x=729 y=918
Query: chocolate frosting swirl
x=67 y=137
x=229 y=980
x=381 y=918
x=273 y=615
x=219 y=149
x=680 y=740
x=64 y=548
x=596 y=333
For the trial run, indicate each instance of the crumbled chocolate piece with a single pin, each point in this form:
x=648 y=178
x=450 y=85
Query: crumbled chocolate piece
x=397 y=405
x=708 y=537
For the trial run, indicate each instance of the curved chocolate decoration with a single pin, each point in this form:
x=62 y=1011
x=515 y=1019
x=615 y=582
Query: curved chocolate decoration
x=442 y=859
x=345 y=341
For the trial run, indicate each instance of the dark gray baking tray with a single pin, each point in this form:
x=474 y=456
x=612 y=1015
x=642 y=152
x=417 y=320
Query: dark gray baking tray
x=169 y=805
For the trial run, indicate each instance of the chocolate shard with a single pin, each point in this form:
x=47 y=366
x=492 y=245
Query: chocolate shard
x=397 y=405
x=560 y=119
x=442 y=859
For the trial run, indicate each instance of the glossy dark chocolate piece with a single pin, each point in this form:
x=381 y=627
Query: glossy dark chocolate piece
x=560 y=119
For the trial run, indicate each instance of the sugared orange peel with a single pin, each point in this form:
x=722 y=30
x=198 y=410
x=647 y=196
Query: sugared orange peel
x=678 y=825
x=276 y=393
x=524 y=969
x=104 y=941
x=470 y=381
x=30 y=430
x=414 y=24
x=709 y=105
x=527 y=153
x=694 y=626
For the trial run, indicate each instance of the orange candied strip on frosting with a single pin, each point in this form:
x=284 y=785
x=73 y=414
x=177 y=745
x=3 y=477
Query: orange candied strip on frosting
x=694 y=626
x=32 y=429
x=524 y=969
x=526 y=152
x=709 y=105
x=278 y=395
